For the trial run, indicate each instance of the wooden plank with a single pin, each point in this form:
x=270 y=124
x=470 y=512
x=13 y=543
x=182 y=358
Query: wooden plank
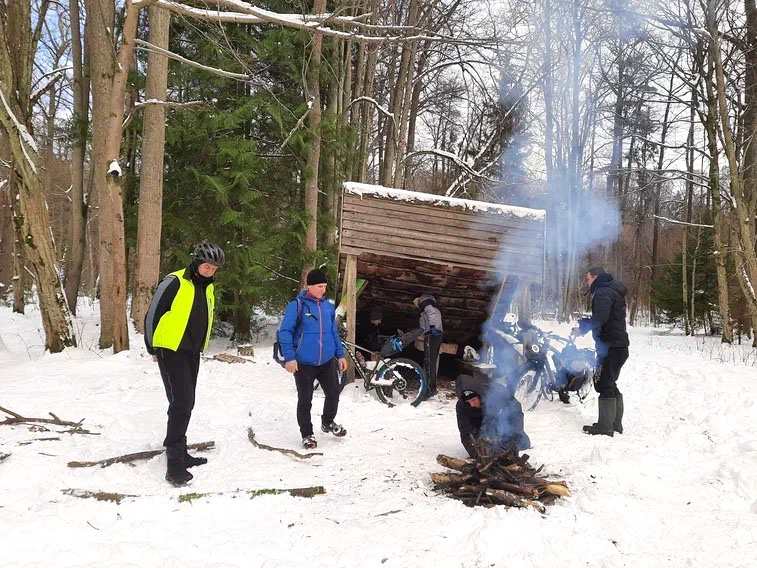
x=424 y=268
x=523 y=264
x=438 y=248
x=430 y=233
x=367 y=213
x=352 y=202
x=458 y=261
x=350 y=277
x=360 y=286
x=408 y=212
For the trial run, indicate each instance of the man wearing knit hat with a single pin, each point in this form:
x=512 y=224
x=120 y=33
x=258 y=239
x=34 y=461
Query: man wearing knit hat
x=312 y=350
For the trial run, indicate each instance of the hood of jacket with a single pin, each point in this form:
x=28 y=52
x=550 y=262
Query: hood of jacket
x=606 y=280
x=478 y=383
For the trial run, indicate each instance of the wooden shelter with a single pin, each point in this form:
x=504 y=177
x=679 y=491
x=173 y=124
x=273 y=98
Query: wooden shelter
x=469 y=254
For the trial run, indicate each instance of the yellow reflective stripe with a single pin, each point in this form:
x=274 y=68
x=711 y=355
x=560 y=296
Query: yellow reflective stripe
x=211 y=304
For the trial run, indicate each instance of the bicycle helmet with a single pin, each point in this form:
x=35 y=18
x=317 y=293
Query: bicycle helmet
x=210 y=253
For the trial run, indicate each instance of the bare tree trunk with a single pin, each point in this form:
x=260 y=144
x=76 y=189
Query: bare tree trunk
x=366 y=115
x=717 y=218
x=100 y=21
x=151 y=178
x=19 y=256
x=405 y=98
x=114 y=180
x=313 y=96
x=746 y=265
x=76 y=234
x=396 y=104
x=657 y=194
x=688 y=325
x=16 y=60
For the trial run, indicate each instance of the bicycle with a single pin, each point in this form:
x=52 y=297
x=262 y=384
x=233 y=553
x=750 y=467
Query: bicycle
x=569 y=369
x=395 y=381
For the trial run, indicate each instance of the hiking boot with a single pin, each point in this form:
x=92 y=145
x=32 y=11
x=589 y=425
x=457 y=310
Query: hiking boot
x=176 y=472
x=563 y=396
x=309 y=443
x=604 y=425
x=334 y=428
x=192 y=461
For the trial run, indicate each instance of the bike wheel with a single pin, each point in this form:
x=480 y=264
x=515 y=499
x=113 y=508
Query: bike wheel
x=405 y=382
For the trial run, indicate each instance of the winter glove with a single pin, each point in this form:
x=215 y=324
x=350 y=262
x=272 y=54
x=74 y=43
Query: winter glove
x=397 y=344
x=433 y=331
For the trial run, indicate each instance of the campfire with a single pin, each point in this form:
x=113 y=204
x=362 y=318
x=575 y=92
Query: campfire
x=498 y=475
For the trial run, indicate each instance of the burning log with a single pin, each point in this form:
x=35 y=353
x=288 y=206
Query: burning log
x=498 y=475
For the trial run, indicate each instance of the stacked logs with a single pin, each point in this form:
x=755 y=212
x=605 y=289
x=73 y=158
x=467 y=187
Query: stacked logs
x=497 y=476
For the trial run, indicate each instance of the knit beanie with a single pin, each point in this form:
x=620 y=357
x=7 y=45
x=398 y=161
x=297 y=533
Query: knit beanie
x=316 y=277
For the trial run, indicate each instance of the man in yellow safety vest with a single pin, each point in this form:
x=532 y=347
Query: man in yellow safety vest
x=177 y=329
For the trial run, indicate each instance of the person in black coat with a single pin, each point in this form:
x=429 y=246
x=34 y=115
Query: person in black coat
x=608 y=327
x=492 y=412
x=370 y=332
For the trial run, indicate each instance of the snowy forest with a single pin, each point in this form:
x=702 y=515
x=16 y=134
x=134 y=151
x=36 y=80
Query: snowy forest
x=133 y=129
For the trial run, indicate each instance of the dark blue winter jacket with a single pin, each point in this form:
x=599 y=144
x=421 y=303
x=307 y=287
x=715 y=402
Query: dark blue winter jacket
x=608 y=314
x=315 y=341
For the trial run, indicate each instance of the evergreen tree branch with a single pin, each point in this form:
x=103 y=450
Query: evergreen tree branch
x=146 y=46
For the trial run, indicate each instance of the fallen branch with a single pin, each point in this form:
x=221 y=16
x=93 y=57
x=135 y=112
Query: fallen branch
x=229 y=358
x=128 y=458
x=251 y=437
x=3 y=456
x=27 y=442
x=18 y=419
x=306 y=492
x=99 y=495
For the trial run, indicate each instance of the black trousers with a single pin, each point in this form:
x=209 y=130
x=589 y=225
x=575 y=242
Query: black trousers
x=609 y=372
x=431 y=345
x=179 y=372
x=305 y=378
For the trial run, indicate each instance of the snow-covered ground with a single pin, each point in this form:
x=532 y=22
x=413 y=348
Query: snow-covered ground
x=679 y=488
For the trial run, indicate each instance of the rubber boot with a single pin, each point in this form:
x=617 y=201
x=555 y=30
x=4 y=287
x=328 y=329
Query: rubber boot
x=191 y=461
x=176 y=472
x=618 y=424
x=604 y=424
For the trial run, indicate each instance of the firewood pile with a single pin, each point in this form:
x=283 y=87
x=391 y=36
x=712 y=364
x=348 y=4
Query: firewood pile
x=497 y=476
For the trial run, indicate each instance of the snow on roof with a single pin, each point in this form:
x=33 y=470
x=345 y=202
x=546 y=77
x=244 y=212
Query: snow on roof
x=466 y=204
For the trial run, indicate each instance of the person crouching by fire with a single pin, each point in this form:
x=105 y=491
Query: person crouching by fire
x=487 y=409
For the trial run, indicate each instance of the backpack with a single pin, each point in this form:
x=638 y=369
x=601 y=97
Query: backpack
x=278 y=354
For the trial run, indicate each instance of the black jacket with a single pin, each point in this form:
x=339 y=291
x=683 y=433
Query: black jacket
x=469 y=419
x=608 y=314
x=368 y=336
x=197 y=326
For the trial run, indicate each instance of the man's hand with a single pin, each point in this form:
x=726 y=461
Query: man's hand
x=155 y=358
x=576 y=331
x=291 y=366
x=342 y=364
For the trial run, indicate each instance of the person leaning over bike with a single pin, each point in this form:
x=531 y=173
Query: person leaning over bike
x=430 y=322
x=608 y=327
x=177 y=329
x=312 y=350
